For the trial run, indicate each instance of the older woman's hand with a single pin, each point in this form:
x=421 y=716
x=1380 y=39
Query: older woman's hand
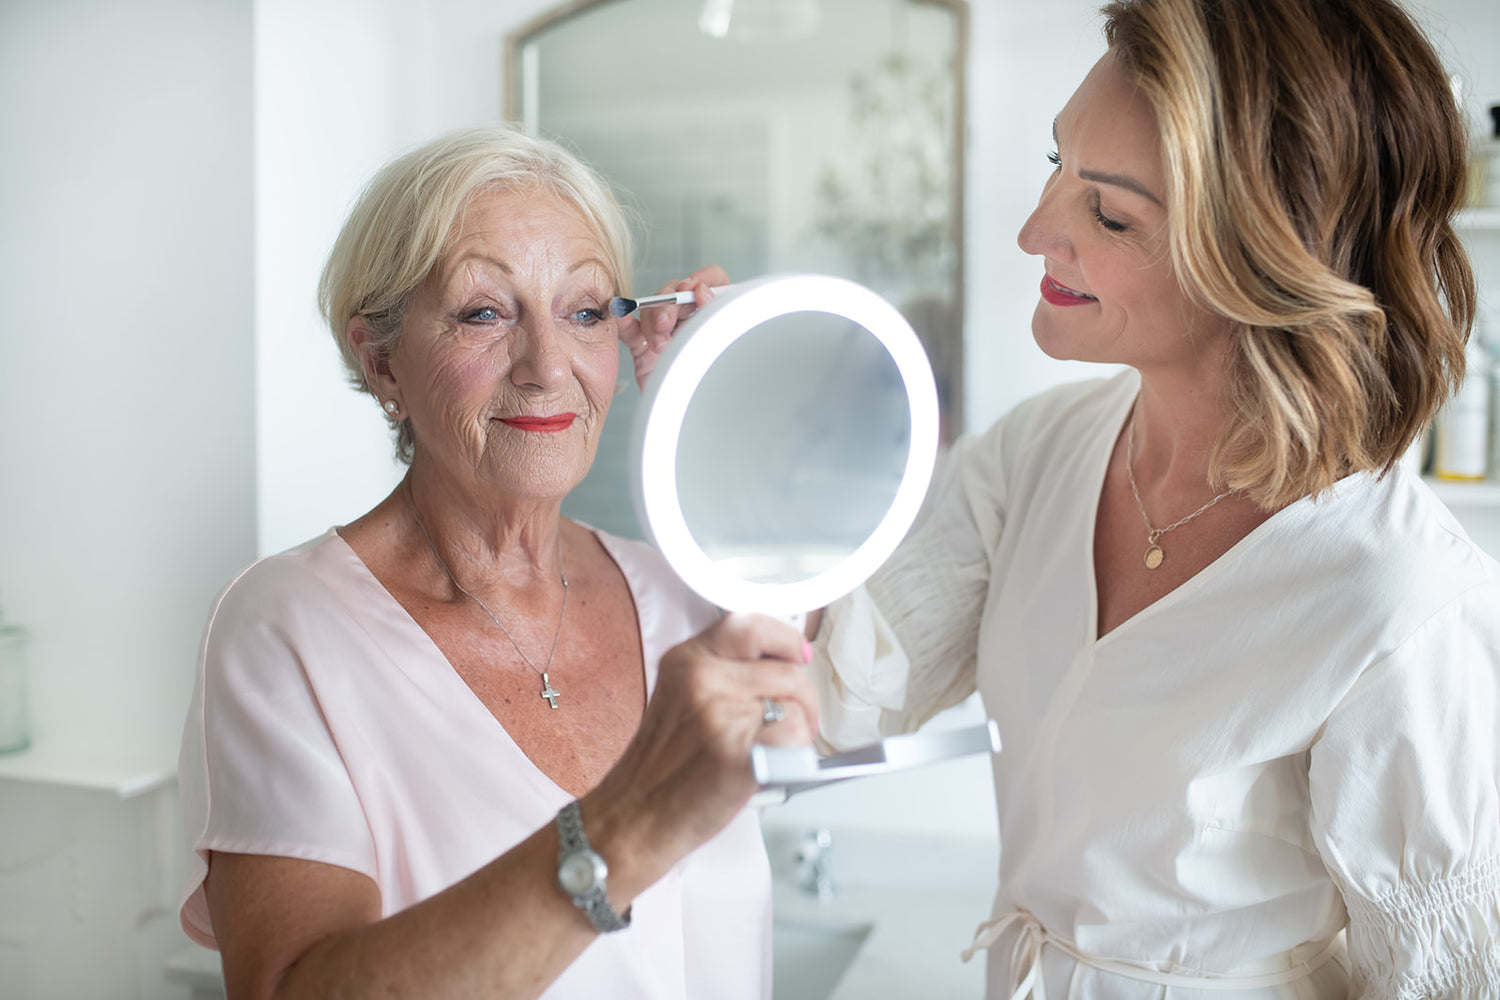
x=687 y=772
x=647 y=332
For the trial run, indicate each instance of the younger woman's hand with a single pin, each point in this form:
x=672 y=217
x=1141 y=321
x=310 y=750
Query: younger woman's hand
x=647 y=332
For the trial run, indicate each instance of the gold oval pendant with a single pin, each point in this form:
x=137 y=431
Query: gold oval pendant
x=1153 y=557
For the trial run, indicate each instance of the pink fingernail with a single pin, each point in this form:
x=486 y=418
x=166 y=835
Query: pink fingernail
x=806 y=651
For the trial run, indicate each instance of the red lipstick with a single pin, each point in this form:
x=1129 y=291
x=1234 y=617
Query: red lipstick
x=541 y=425
x=1062 y=295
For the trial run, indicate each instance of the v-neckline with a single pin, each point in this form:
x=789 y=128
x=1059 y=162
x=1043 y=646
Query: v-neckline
x=1197 y=580
x=458 y=692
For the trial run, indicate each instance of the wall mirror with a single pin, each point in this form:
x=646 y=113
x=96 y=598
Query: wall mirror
x=770 y=137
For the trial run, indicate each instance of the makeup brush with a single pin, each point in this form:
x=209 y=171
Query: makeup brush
x=622 y=307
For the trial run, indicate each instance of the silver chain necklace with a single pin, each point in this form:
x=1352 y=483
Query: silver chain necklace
x=1154 y=555
x=548 y=691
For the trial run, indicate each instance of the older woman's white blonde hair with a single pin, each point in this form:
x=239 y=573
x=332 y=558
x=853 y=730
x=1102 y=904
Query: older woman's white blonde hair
x=400 y=226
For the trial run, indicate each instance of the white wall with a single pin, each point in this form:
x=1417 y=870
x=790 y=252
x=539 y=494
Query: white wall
x=127 y=473
x=126 y=351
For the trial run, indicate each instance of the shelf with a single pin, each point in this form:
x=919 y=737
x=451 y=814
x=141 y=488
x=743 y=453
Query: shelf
x=1479 y=220
x=1480 y=494
x=125 y=775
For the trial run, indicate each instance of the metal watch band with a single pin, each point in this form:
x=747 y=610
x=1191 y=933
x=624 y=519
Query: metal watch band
x=595 y=902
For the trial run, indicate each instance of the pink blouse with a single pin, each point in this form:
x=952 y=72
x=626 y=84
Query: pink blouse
x=326 y=725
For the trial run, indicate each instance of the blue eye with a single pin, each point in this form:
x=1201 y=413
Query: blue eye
x=484 y=314
x=588 y=317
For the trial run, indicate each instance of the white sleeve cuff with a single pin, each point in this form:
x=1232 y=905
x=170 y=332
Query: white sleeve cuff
x=862 y=698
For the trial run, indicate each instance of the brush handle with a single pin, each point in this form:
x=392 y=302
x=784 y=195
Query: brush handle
x=679 y=298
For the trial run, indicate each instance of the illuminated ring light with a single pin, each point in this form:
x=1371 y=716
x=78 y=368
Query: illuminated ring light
x=736 y=310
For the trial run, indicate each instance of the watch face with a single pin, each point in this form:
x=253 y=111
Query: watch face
x=580 y=872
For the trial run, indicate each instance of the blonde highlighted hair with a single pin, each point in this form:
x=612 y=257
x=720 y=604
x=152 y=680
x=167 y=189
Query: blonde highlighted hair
x=1315 y=158
x=405 y=218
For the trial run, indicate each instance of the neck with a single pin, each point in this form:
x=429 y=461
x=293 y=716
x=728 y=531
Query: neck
x=1175 y=427
x=487 y=544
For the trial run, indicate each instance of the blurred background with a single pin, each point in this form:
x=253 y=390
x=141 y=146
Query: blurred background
x=174 y=172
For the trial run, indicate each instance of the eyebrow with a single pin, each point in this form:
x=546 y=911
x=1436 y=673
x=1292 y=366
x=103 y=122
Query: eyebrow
x=1117 y=180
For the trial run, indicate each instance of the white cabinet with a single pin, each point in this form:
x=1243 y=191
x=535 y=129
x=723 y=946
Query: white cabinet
x=88 y=878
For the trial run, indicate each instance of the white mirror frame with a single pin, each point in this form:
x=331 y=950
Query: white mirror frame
x=737 y=310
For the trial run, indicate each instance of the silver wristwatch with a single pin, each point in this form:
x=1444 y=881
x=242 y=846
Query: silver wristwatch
x=581 y=872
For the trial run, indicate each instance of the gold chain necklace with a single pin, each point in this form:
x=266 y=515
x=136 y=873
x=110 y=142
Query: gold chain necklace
x=1154 y=555
x=548 y=691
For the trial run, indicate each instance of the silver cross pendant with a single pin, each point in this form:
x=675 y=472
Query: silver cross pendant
x=549 y=692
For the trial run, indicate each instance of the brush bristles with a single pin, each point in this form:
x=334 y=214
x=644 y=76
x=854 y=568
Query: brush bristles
x=621 y=307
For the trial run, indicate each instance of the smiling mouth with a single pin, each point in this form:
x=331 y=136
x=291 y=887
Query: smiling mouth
x=541 y=425
x=1062 y=295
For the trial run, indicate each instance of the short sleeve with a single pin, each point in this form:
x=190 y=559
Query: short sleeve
x=259 y=771
x=904 y=647
x=1405 y=788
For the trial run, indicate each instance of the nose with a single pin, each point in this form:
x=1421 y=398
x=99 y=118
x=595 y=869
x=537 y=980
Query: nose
x=1042 y=234
x=540 y=358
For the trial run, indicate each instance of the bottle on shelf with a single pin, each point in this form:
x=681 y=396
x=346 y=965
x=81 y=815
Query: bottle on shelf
x=1461 y=437
x=1487 y=158
x=1488 y=334
x=14 y=732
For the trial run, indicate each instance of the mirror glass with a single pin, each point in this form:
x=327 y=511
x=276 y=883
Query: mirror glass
x=769 y=137
x=792 y=447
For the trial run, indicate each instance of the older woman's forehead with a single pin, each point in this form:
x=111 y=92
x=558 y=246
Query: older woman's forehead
x=531 y=230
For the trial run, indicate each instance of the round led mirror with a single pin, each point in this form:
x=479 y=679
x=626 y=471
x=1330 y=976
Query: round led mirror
x=785 y=442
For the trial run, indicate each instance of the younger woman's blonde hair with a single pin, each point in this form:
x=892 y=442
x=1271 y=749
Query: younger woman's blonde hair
x=1315 y=157
x=404 y=220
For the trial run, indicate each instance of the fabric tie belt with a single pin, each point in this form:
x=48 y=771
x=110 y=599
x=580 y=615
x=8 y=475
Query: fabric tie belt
x=1026 y=961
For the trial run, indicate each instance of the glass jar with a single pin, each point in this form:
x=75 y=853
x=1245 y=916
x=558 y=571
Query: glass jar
x=15 y=735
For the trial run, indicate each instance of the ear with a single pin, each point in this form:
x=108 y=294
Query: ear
x=376 y=370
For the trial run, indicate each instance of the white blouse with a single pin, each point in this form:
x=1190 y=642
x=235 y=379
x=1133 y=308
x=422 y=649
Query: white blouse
x=1300 y=738
x=327 y=726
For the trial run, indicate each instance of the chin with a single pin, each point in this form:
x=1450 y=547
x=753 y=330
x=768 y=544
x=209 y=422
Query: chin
x=1093 y=342
x=1054 y=343
x=549 y=473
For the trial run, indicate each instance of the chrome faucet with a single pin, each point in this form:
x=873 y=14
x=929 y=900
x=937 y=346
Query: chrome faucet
x=811 y=857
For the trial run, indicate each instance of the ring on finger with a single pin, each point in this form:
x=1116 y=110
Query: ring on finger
x=771 y=710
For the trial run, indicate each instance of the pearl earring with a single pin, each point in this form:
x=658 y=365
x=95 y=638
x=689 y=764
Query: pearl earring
x=391 y=406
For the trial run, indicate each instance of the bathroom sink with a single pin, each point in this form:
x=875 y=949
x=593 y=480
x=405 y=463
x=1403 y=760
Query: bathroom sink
x=898 y=909
x=811 y=956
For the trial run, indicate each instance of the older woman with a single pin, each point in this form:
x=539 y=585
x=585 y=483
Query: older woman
x=462 y=745
x=1246 y=666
